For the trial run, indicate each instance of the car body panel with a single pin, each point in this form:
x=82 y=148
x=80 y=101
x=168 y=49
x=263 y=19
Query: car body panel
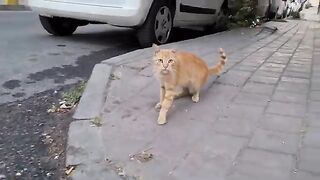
x=127 y=13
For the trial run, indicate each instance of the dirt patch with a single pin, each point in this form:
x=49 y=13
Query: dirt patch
x=32 y=141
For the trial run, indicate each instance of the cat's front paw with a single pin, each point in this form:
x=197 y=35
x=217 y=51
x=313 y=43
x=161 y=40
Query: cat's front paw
x=162 y=120
x=158 y=106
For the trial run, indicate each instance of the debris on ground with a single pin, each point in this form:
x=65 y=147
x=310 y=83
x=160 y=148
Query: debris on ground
x=119 y=170
x=115 y=76
x=116 y=168
x=69 y=170
x=142 y=156
x=96 y=122
x=69 y=100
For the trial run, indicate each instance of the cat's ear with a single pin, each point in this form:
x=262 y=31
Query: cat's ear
x=156 y=48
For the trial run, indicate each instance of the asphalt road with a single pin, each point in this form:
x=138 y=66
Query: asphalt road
x=33 y=61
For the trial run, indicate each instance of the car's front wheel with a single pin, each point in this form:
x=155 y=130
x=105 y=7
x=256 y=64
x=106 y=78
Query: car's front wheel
x=58 y=26
x=158 y=26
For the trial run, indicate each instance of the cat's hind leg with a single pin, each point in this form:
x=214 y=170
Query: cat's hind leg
x=181 y=92
x=196 y=97
x=195 y=91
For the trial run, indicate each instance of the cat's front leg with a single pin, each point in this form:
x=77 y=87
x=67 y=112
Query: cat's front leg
x=165 y=106
x=162 y=94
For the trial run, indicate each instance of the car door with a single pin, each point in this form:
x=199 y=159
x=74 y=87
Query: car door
x=197 y=12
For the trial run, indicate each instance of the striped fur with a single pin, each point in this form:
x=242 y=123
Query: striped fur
x=218 y=68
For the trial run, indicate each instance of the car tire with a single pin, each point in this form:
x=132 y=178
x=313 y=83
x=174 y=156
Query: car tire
x=157 y=28
x=58 y=26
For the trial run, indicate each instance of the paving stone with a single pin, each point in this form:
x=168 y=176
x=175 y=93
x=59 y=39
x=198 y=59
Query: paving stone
x=264 y=79
x=210 y=158
x=316 y=75
x=294 y=80
x=312 y=137
x=281 y=123
x=256 y=164
x=297 y=74
x=301 y=175
x=252 y=99
x=275 y=141
x=314 y=106
x=219 y=93
x=286 y=109
x=316 y=68
x=293 y=87
x=313 y=119
x=272 y=68
x=234 y=78
x=283 y=53
x=309 y=159
x=258 y=88
x=306 y=61
x=290 y=97
x=234 y=126
x=301 y=66
x=243 y=111
x=251 y=63
x=278 y=60
x=298 y=69
x=315 y=85
x=267 y=73
x=245 y=68
x=315 y=95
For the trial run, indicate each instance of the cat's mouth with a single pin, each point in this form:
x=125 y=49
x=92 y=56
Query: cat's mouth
x=164 y=72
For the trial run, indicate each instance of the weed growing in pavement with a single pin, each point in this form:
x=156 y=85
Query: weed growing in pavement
x=73 y=96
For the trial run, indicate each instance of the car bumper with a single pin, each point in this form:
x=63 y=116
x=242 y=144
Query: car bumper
x=128 y=15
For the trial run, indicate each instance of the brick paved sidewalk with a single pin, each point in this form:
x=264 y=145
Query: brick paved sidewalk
x=258 y=120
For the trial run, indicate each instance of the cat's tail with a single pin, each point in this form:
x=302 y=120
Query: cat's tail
x=218 y=68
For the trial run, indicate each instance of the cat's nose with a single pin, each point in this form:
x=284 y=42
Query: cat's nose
x=165 y=67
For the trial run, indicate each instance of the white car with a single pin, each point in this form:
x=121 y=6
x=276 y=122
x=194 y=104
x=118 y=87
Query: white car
x=153 y=19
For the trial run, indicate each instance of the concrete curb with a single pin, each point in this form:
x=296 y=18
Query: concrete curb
x=93 y=96
x=14 y=8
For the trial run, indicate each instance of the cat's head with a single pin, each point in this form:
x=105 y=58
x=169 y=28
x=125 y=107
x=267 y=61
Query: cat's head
x=165 y=61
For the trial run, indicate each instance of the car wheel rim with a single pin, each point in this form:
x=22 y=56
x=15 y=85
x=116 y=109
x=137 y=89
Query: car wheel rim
x=163 y=25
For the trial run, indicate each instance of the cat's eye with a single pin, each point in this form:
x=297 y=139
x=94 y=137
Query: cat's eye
x=160 y=60
x=170 y=61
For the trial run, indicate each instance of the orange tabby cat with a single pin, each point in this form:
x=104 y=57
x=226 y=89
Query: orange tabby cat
x=180 y=73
